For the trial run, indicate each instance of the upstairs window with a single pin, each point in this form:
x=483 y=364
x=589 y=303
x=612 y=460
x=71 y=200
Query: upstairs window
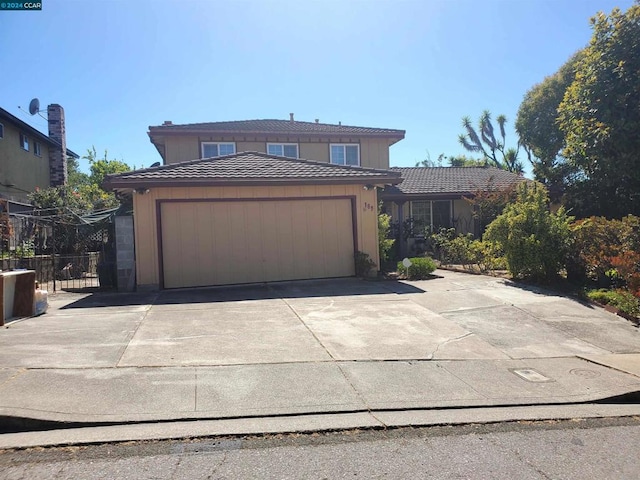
x=283 y=149
x=345 y=154
x=211 y=149
x=37 y=149
x=1 y=131
x=24 y=142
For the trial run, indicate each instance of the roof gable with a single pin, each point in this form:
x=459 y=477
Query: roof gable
x=450 y=180
x=248 y=168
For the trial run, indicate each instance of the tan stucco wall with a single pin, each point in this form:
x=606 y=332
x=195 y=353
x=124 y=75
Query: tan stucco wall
x=374 y=152
x=18 y=167
x=146 y=239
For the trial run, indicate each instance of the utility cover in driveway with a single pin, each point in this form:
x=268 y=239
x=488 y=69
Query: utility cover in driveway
x=230 y=242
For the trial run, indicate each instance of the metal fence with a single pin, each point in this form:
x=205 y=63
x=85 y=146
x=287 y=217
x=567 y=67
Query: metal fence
x=65 y=255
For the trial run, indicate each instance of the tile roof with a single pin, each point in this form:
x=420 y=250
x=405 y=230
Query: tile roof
x=449 y=180
x=275 y=127
x=249 y=168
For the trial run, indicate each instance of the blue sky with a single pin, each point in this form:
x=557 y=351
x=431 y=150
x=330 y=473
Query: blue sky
x=119 y=66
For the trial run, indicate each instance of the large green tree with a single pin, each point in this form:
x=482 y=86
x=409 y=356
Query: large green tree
x=538 y=129
x=83 y=192
x=484 y=141
x=91 y=187
x=599 y=117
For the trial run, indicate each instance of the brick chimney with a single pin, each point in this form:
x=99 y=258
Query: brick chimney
x=57 y=156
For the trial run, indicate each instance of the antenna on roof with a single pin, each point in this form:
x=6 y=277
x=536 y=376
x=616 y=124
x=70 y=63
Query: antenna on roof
x=34 y=106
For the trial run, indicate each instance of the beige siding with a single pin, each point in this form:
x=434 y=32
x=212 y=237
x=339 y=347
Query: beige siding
x=20 y=168
x=236 y=215
x=181 y=149
x=251 y=147
x=374 y=152
x=315 y=151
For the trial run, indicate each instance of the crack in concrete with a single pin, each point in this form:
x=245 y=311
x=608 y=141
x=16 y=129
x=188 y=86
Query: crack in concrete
x=336 y=362
x=14 y=376
x=140 y=322
x=442 y=344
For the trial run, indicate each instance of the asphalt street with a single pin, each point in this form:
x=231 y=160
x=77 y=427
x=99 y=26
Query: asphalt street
x=575 y=449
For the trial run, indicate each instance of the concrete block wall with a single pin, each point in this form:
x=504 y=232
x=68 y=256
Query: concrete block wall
x=125 y=254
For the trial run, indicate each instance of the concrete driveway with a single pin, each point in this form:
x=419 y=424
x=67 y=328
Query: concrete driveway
x=453 y=317
x=356 y=353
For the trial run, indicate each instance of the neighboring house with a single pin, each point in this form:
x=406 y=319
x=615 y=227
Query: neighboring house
x=337 y=144
x=434 y=197
x=29 y=159
x=252 y=217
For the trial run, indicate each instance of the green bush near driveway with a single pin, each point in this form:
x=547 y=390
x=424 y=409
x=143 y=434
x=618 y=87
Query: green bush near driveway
x=421 y=268
x=621 y=299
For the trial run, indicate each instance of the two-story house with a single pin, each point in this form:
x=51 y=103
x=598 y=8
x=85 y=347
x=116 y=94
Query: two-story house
x=336 y=144
x=29 y=159
x=256 y=201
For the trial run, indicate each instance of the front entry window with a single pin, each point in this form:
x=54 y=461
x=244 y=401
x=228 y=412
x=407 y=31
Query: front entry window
x=430 y=214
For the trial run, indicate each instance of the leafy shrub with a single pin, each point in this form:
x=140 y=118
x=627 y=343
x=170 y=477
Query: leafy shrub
x=385 y=244
x=26 y=250
x=534 y=240
x=421 y=268
x=489 y=202
x=487 y=256
x=606 y=251
x=621 y=299
x=452 y=248
x=364 y=264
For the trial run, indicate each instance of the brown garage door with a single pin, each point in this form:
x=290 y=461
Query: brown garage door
x=218 y=242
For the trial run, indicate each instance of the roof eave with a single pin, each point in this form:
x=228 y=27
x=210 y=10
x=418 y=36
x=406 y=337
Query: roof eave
x=112 y=184
x=396 y=135
x=423 y=195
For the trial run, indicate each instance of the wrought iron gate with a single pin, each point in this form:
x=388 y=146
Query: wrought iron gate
x=67 y=252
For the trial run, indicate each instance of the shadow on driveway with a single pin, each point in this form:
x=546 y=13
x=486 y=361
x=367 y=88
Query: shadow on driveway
x=336 y=287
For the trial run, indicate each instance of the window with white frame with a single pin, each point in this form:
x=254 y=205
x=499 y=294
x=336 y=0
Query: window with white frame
x=217 y=149
x=283 y=149
x=37 y=149
x=430 y=214
x=24 y=142
x=345 y=153
x=1 y=131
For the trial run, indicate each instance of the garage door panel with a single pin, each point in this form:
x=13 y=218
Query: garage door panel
x=285 y=254
x=219 y=242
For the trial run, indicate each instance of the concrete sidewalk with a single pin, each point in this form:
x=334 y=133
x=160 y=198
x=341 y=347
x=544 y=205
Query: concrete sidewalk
x=348 y=352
